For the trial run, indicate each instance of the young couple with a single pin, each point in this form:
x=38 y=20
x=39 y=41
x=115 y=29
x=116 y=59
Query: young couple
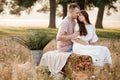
x=79 y=37
x=75 y=35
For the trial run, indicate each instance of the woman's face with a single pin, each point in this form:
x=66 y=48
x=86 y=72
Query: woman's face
x=81 y=17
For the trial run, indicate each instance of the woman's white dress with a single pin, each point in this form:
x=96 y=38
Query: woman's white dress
x=55 y=61
x=100 y=54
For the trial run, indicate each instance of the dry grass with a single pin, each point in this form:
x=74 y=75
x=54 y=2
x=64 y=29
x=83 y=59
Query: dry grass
x=13 y=52
x=15 y=62
x=50 y=46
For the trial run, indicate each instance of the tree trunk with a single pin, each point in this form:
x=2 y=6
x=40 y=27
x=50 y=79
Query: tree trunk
x=81 y=3
x=52 y=23
x=64 y=10
x=1 y=6
x=100 y=17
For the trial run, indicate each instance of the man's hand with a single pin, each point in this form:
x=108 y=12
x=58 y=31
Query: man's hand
x=65 y=37
x=75 y=34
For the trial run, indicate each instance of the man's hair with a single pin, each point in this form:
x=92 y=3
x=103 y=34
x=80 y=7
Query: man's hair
x=73 y=6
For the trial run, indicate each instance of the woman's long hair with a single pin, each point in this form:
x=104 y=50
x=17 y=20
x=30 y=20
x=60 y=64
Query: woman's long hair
x=82 y=28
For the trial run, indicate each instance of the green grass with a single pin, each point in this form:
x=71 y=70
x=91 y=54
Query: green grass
x=109 y=33
x=25 y=31
x=102 y=33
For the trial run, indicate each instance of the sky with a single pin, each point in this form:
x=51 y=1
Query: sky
x=42 y=19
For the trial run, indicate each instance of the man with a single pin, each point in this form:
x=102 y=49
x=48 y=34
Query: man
x=55 y=60
x=66 y=29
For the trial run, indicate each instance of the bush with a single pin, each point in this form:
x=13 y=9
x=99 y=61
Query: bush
x=34 y=41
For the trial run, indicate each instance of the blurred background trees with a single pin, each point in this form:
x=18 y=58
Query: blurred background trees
x=2 y=2
x=16 y=6
x=101 y=4
x=64 y=4
x=52 y=21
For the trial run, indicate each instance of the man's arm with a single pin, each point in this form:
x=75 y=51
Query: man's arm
x=64 y=37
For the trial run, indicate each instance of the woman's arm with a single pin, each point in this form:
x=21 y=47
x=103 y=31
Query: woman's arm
x=91 y=43
x=78 y=40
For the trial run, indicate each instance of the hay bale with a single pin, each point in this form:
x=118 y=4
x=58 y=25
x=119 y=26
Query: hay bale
x=52 y=45
x=76 y=64
x=5 y=71
x=24 y=71
x=13 y=52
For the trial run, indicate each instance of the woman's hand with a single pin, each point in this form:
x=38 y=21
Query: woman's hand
x=91 y=43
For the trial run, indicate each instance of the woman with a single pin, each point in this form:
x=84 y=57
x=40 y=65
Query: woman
x=83 y=44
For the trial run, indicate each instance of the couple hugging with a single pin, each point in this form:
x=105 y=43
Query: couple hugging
x=75 y=35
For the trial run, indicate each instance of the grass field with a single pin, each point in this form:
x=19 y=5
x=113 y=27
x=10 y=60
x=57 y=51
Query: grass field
x=102 y=33
x=23 y=31
x=15 y=59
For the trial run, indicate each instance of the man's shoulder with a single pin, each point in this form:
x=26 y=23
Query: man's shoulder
x=66 y=21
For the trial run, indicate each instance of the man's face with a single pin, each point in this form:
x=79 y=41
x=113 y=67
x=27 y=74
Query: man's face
x=75 y=13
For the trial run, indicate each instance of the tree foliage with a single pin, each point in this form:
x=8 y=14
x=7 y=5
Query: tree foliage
x=64 y=4
x=109 y=4
x=25 y=3
x=2 y=3
x=81 y=3
x=16 y=6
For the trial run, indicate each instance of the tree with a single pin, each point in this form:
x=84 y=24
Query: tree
x=27 y=4
x=101 y=4
x=64 y=4
x=2 y=3
x=100 y=15
x=81 y=3
x=16 y=6
x=52 y=14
